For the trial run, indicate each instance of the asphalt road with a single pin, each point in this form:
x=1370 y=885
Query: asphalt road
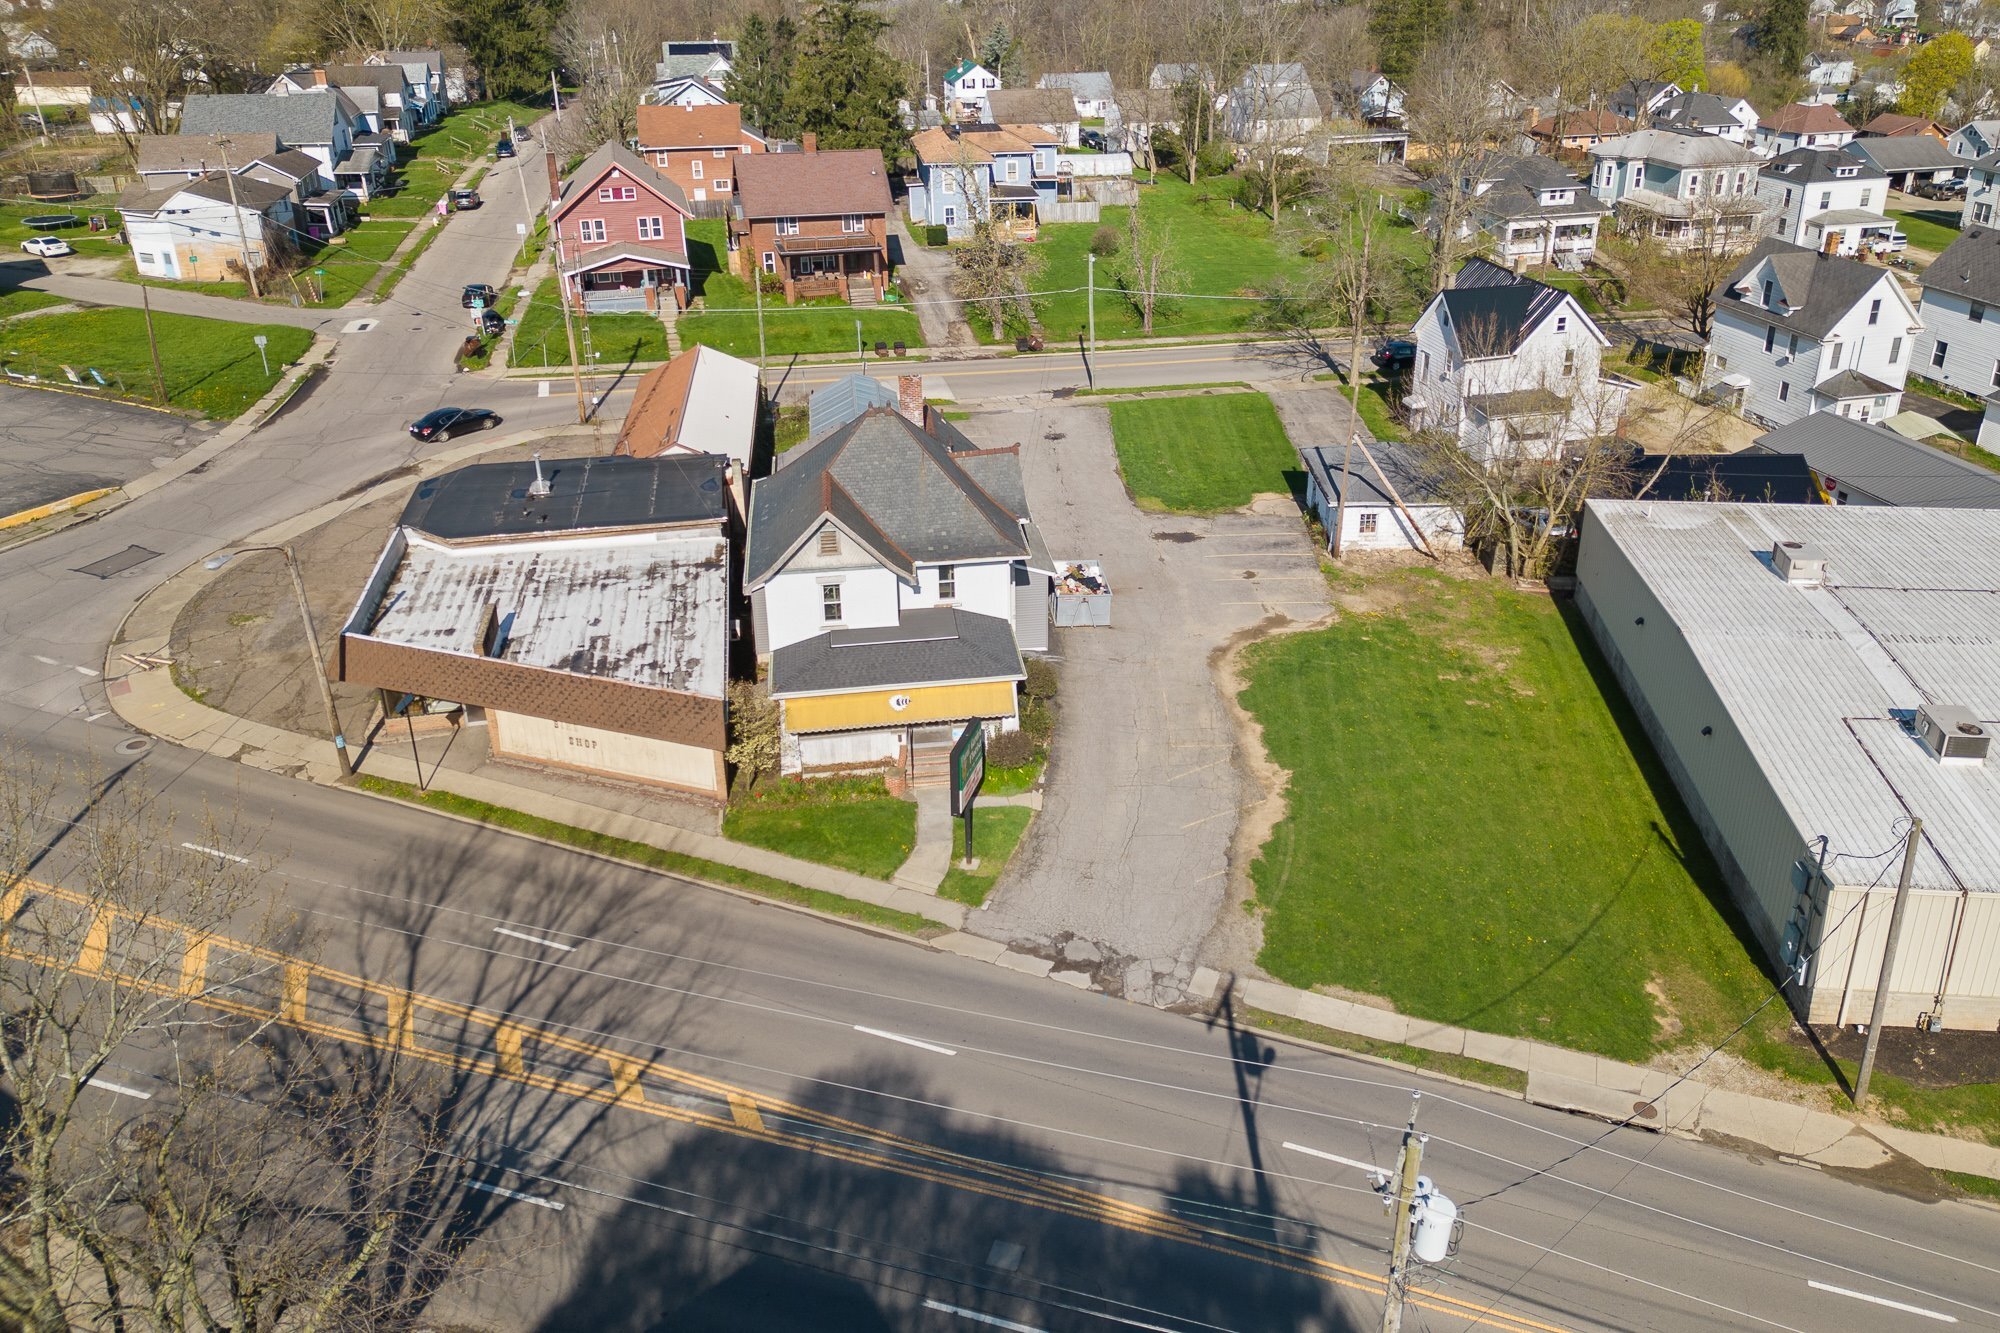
x=934 y=1130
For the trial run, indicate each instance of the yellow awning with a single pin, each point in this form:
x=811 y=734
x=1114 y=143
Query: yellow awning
x=921 y=704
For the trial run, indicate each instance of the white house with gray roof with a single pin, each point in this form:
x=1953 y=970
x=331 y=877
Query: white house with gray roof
x=894 y=577
x=1810 y=677
x=1864 y=463
x=1273 y=104
x=1797 y=332
x=1825 y=200
x=1681 y=187
x=1535 y=210
x=1091 y=91
x=325 y=124
x=1731 y=118
x=1959 y=297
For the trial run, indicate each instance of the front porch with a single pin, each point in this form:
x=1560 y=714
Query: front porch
x=616 y=279
x=851 y=268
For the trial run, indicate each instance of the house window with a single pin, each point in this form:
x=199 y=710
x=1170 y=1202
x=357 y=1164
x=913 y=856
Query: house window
x=1895 y=351
x=1368 y=522
x=1865 y=196
x=947 y=583
x=853 y=222
x=1833 y=356
x=1785 y=392
x=694 y=168
x=1996 y=374
x=1569 y=362
x=590 y=231
x=951 y=215
x=1825 y=200
x=612 y=194
x=720 y=152
x=1874 y=310
x=1767 y=293
x=1562 y=323
x=788 y=226
x=1938 y=354
x=662 y=158
x=829 y=602
x=721 y=184
x=770 y=262
x=748 y=149
x=652 y=229
x=1770 y=338
x=1978 y=313
x=1792 y=345
x=829 y=542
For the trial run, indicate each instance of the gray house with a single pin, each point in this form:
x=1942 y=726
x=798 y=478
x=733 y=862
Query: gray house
x=1959 y=304
x=323 y=124
x=1864 y=463
x=1909 y=158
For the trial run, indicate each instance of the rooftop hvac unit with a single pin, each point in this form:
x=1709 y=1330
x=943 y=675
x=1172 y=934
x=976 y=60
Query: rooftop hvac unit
x=1953 y=734
x=1799 y=563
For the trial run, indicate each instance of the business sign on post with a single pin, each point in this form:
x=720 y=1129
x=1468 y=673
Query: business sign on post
x=968 y=767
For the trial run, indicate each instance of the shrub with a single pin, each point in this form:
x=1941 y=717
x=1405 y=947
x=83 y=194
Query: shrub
x=1214 y=159
x=1010 y=749
x=1169 y=152
x=936 y=235
x=1041 y=682
x=1104 y=242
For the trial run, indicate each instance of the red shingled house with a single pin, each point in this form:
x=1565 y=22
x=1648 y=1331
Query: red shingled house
x=621 y=239
x=820 y=221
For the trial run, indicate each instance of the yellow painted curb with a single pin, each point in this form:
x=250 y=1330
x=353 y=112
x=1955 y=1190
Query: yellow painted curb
x=61 y=506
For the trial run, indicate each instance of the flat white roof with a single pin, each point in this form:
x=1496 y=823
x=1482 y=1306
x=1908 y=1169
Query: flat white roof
x=721 y=414
x=648 y=609
x=1909 y=614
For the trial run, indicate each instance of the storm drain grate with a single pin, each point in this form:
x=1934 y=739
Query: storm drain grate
x=129 y=558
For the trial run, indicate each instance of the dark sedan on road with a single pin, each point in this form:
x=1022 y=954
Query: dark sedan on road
x=478 y=296
x=465 y=200
x=449 y=421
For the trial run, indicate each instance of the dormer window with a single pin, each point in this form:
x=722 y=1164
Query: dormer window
x=1847 y=171
x=1769 y=286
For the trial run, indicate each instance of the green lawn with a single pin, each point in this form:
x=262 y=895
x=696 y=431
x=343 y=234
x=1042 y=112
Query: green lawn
x=1220 y=250
x=349 y=265
x=20 y=300
x=1500 y=858
x=855 y=825
x=1929 y=229
x=817 y=326
x=996 y=832
x=428 y=166
x=211 y=365
x=81 y=238
x=1202 y=455
x=616 y=340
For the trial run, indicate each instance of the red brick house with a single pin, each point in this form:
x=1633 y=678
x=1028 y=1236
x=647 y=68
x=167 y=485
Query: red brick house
x=819 y=221
x=696 y=147
x=620 y=233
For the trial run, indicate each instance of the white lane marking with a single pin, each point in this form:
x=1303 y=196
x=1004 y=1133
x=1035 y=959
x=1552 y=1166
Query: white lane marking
x=211 y=851
x=1369 y=1167
x=46 y=661
x=556 y=1204
x=534 y=939
x=1883 y=1301
x=109 y=1086
x=907 y=1041
x=83 y=671
x=993 y=1320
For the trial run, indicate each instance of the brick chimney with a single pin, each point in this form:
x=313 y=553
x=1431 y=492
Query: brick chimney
x=910 y=398
x=319 y=77
x=809 y=141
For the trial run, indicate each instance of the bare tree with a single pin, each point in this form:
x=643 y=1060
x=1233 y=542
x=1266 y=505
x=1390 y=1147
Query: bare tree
x=1455 y=120
x=612 y=47
x=360 y=27
x=145 y=56
x=1683 y=273
x=995 y=271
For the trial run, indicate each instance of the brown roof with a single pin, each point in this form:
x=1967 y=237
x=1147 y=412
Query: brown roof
x=822 y=184
x=1805 y=118
x=937 y=145
x=613 y=155
x=1890 y=125
x=653 y=421
x=1031 y=105
x=691 y=127
x=198 y=152
x=1575 y=123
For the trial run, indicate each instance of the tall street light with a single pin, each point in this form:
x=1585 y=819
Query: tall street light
x=312 y=641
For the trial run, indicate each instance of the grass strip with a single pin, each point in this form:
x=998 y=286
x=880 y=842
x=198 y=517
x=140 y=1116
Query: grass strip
x=1978 y=1186
x=1202 y=455
x=996 y=832
x=1161 y=388
x=653 y=858
x=1436 y=1062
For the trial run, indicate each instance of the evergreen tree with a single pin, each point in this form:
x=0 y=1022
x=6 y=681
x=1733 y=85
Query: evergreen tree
x=757 y=79
x=508 y=41
x=998 y=50
x=1404 y=29
x=1782 y=36
x=843 y=86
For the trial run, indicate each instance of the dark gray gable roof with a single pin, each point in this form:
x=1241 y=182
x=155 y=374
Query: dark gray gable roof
x=900 y=490
x=1492 y=318
x=927 y=646
x=1821 y=287
x=1752 y=476
x=1969 y=267
x=1518 y=183
x=1415 y=483
x=1696 y=109
x=1817 y=166
x=1907 y=152
x=302 y=118
x=1886 y=465
x=585 y=494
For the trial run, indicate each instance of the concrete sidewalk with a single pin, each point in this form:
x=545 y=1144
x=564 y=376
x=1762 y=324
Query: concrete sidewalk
x=1627 y=1094
x=168 y=300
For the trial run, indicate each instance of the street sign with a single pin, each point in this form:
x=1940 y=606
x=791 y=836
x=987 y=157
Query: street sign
x=261 y=340
x=520 y=229
x=319 y=272
x=968 y=767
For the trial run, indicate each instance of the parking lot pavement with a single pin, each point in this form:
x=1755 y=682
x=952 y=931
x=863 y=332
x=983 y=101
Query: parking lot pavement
x=56 y=445
x=1128 y=863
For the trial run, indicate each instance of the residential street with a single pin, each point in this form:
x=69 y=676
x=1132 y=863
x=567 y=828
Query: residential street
x=1216 y=1221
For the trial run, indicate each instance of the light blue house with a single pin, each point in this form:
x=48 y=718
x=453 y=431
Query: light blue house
x=966 y=174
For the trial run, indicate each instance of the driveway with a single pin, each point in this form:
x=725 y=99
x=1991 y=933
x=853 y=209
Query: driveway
x=52 y=446
x=1129 y=862
x=928 y=273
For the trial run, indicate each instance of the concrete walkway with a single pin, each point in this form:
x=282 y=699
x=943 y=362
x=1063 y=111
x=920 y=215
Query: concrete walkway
x=931 y=857
x=110 y=291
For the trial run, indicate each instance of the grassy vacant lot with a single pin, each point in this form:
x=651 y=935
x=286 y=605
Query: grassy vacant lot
x=1929 y=229
x=616 y=340
x=818 y=326
x=211 y=365
x=996 y=832
x=1202 y=455
x=349 y=266
x=19 y=300
x=855 y=825
x=81 y=237
x=1472 y=836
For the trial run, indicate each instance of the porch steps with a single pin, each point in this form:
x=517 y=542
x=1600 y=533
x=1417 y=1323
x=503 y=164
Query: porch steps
x=861 y=292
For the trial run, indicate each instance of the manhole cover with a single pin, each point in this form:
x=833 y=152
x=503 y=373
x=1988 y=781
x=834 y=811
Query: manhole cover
x=134 y=745
x=1645 y=1111
x=358 y=326
x=118 y=564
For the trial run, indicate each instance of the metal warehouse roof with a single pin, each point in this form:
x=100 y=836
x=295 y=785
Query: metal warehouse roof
x=1878 y=461
x=1909 y=613
x=649 y=610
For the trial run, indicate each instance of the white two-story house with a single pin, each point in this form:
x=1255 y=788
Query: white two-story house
x=1731 y=118
x=1801 y=125
x=1534 y=209
x=966 y=86
x=1797 y=332
x=895 y=577
x=1682 y=188
x=1825 y=200
x=1510 y=365
x=1959 y=306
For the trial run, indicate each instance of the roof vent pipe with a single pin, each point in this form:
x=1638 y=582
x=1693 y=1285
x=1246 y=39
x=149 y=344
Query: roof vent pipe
x=540 y=489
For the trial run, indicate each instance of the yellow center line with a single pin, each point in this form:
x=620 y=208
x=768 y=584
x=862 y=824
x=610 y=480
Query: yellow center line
x=749 y=1114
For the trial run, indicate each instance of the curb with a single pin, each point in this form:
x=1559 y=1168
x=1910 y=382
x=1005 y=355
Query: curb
x=53 y=507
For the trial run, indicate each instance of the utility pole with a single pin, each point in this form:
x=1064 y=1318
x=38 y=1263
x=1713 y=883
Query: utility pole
x=569 y=330
x=1399 y=1240
x=860 y=355
x=757 y=286
x=153 y=343
x=1888 y=962
x=242 y=236
x=556 y=93
x=39 y=117
x=1090 y=300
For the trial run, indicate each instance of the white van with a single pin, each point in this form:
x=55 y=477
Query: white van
x=1888 y=243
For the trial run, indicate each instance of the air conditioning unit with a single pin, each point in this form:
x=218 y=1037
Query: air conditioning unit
x=1799 y=563
x=1953 y=734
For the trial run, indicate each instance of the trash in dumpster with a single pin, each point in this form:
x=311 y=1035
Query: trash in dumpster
x=1082 y=577
x=1083 y=596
